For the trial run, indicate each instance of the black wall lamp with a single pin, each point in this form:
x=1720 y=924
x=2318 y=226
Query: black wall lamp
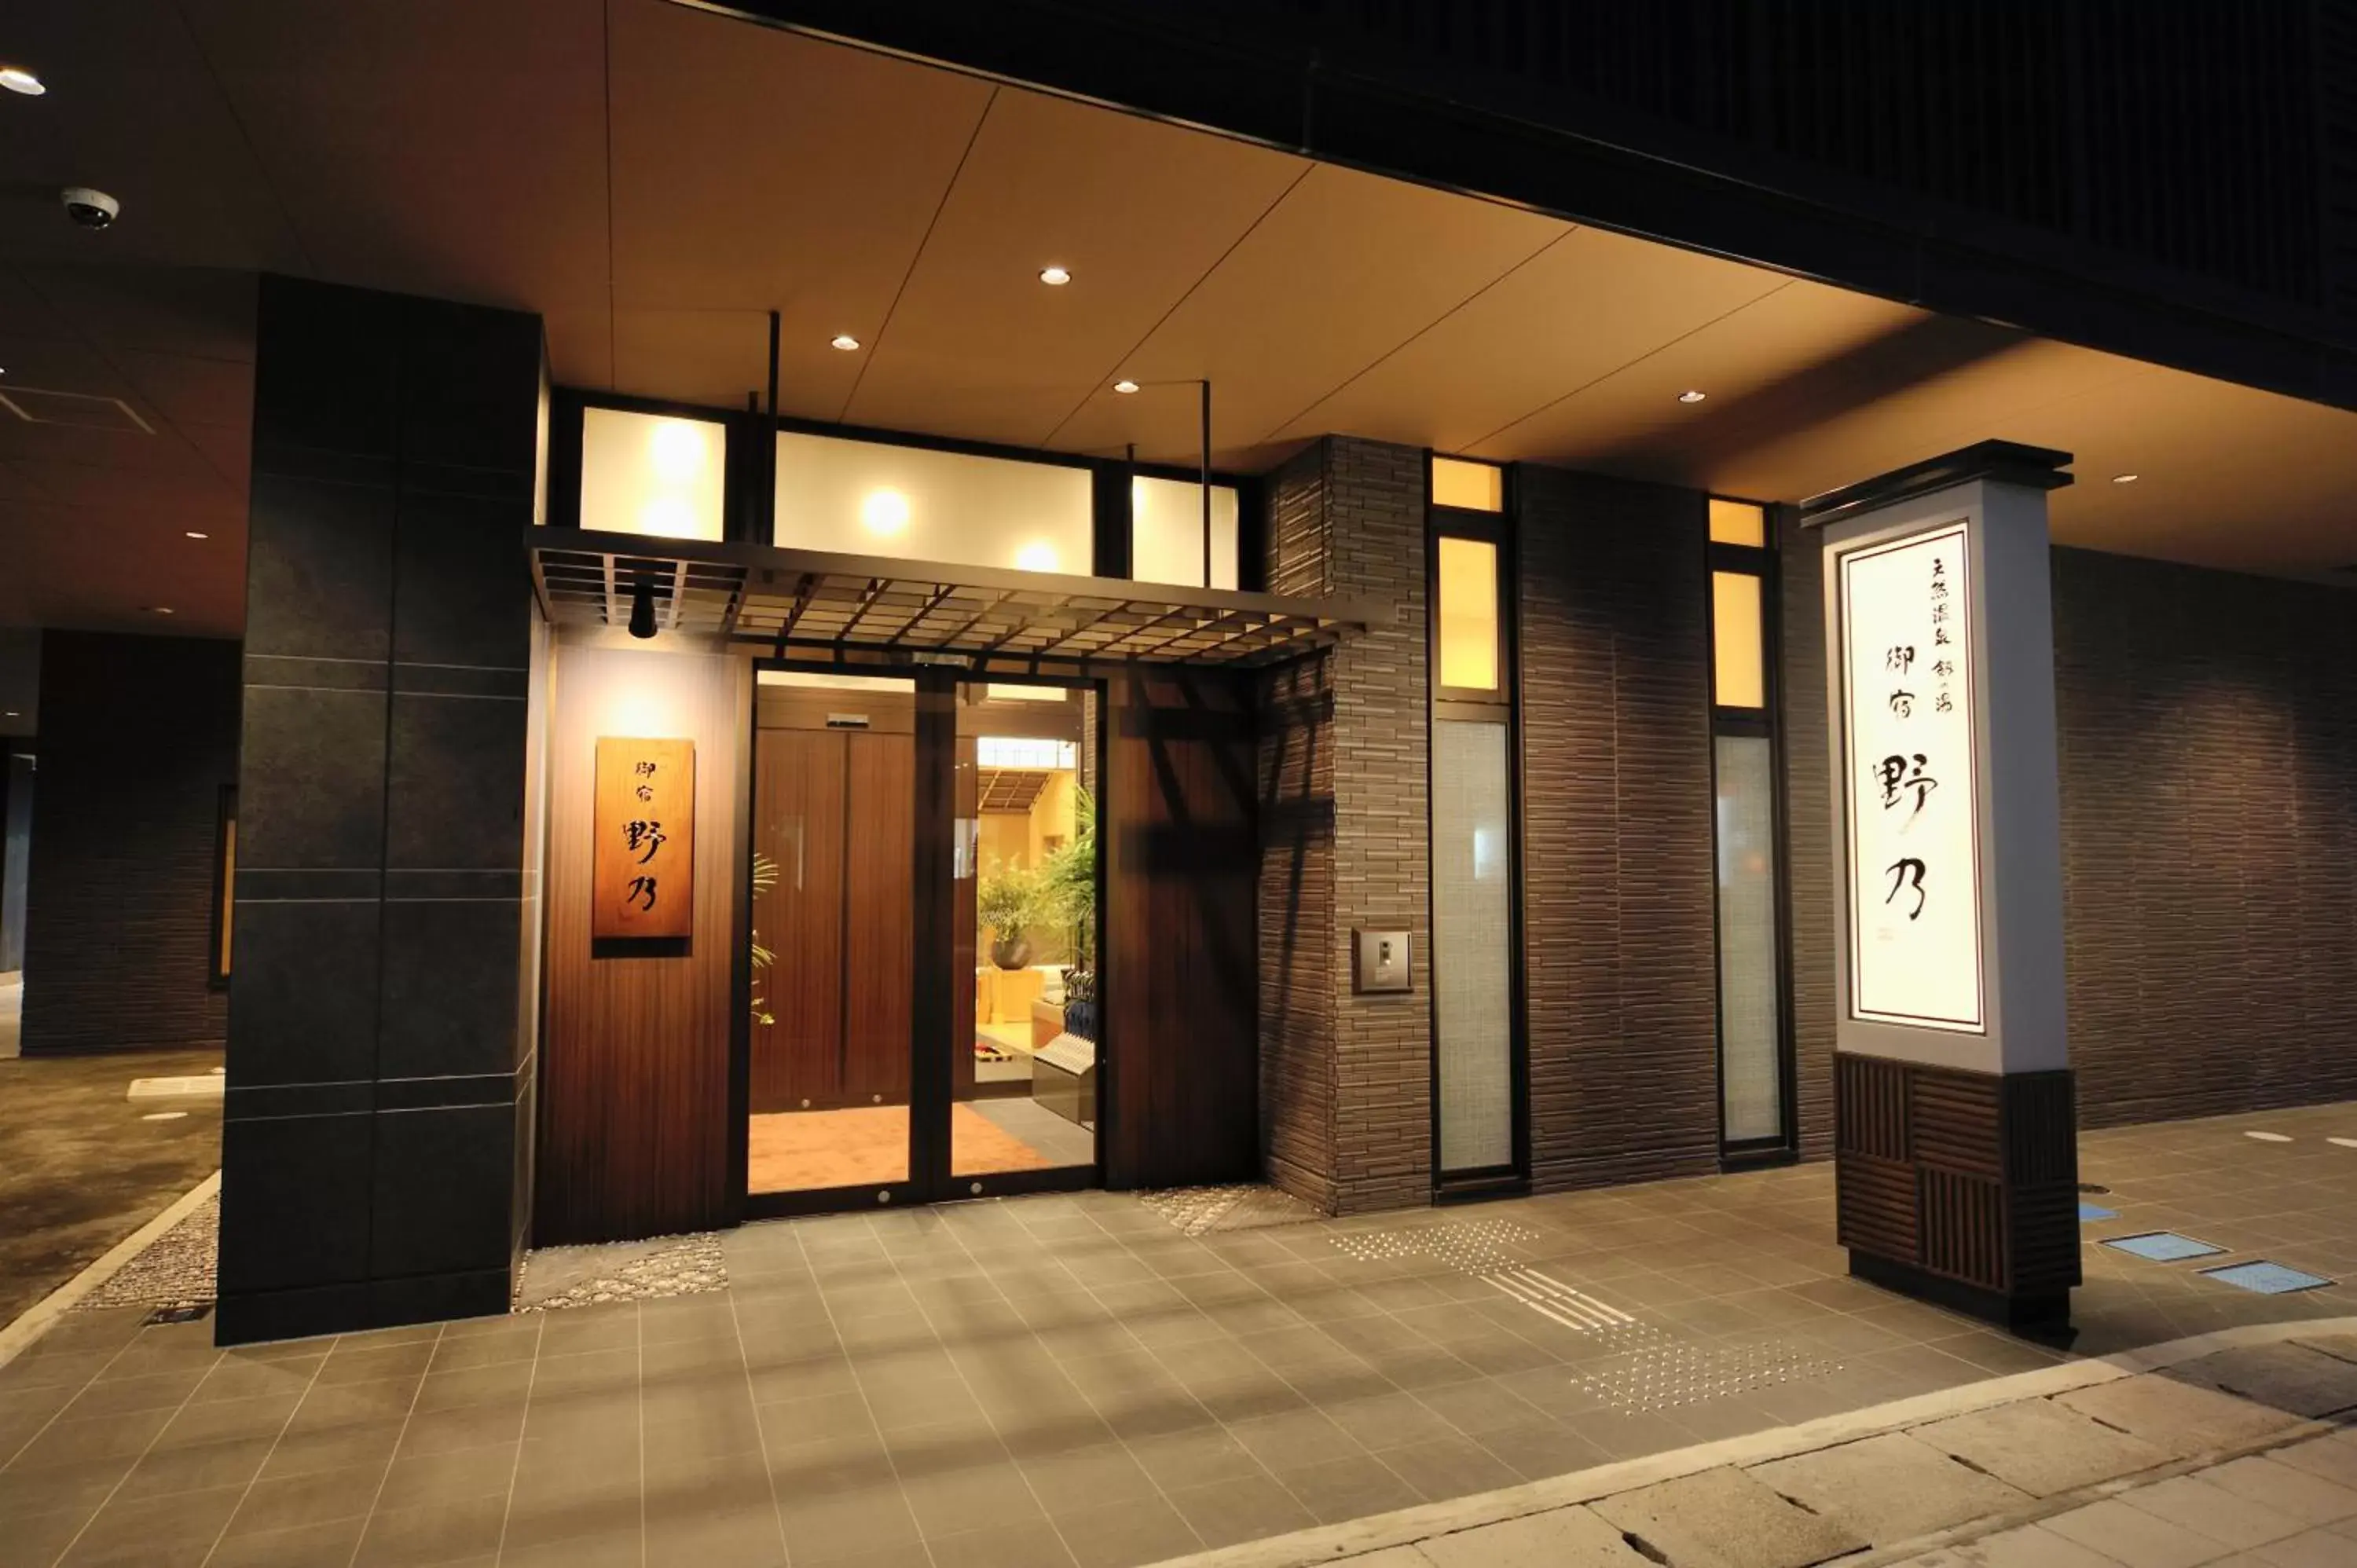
x=642 y=610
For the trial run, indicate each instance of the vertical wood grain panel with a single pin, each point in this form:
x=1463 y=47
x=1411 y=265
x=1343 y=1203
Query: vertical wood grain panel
x=634 y=1087
x=881 y=778
x=799 y=825
x=1181 y=885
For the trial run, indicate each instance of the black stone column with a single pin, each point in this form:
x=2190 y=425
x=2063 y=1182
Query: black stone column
x=380 y=1049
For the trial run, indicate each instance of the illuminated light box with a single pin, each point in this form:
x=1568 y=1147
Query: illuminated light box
x=1911 y=770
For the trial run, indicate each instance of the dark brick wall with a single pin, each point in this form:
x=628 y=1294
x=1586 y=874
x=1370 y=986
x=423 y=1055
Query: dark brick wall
x=1618 y=850
x=1810 y=881
x=1296 y=882
x=1346 y=1079
x=2207 y=739
x=138 y=738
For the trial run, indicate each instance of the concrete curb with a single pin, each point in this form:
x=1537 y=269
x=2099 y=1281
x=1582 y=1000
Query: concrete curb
x=35 y=1319
x=1406 y=1526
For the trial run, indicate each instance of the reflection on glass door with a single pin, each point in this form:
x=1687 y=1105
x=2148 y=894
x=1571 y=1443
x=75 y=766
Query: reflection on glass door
x=1024 y=1069
x=834 y=797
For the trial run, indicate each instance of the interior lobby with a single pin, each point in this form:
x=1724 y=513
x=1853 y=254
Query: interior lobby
x=928 y=824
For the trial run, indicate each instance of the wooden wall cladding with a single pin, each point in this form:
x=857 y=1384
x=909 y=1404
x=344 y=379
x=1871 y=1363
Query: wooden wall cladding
x=634 y=1115
x=1970 y=1176
x=1182 y=879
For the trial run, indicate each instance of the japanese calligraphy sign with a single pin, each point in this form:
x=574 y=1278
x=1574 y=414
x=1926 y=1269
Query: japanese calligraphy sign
x=644 y=871
x=1911 y=805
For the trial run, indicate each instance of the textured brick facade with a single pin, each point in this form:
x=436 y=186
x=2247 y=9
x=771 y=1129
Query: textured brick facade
x=2207 y=739
x=1810 y=880
x=1346 y=1079
x=138 y=740
x=1619 y=914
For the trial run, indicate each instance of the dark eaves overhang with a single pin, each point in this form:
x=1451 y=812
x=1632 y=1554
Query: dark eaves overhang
x=868 y=609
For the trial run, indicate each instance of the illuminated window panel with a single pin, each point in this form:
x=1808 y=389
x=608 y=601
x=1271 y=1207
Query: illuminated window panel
x=871 y=497
x=1469 y=614
x=1024 y=751
x=1738 y=522
x=1166 y=532
x=1469 y=486
x=1739 y=676
x=649 y=473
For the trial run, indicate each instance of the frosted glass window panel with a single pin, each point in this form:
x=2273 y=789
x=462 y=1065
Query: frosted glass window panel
x=1739 y=674
x=1472 y=944
x=1738 y=522
x=870 y=497
x=1750 y=1059
x=647 y=473
x=1024 y=751
x=1166 y=532
x=1469 y=487
x=1469 y=614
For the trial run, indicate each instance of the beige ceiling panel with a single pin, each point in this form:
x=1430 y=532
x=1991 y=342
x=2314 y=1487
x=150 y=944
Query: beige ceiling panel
x=1868 y=425
x=82 y=446
x=1588 y=305
x=1631 y=420
x=757 y=169
x=229 y=450
x=712 y=357
x=1347 y=269
x=189 y=391
x=135 y=110
x=444 y=147
x=99 y=567
x=1136 y=209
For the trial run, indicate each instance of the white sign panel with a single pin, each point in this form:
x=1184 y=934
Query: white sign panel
x=1907 y=750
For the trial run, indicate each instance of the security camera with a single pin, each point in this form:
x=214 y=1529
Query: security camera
x=90 y=209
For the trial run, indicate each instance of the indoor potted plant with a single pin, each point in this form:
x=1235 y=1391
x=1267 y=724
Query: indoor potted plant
x=1008 y=902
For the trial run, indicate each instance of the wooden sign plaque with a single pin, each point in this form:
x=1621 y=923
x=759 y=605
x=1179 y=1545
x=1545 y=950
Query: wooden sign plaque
x=643 y=872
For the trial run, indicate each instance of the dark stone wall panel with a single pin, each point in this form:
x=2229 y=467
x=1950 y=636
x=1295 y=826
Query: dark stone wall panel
x=139 y=738
x=305 y=990
x=312 y=789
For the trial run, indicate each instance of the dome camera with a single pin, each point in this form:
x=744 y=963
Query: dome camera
x=90 y=209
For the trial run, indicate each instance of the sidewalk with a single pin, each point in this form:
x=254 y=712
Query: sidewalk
x=2225 y=1448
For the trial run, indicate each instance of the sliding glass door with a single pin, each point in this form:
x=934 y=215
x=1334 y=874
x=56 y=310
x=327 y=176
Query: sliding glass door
x=922 y=1019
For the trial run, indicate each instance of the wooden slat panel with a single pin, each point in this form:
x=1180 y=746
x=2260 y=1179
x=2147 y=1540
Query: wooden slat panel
x=877 y=858
x=798 y=793
x=1962 y=1227
x=1951 y=1119
x=1876 y=1206
x=1872 y=1098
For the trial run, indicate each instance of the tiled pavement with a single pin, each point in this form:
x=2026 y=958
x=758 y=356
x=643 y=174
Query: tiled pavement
x=1068 y=1379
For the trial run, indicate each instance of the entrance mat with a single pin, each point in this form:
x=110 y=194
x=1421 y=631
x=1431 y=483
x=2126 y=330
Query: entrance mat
x=2267 y=1279
x=2163 y=1247
x=2089 y=1213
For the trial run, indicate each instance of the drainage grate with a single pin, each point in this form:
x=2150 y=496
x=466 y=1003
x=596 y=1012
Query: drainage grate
x=2265 y=1278
x=180 y=1314
x=2089 y=1213
x=2162 y=1247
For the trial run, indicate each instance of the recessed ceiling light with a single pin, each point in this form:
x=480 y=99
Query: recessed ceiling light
x=11 y=713
x=16 y=78
x=196 y=533
x=1055 y=277
x=844 y=341
x=2126 y=479
x=1691 y=396
x=1124 y=386
x=159 y=609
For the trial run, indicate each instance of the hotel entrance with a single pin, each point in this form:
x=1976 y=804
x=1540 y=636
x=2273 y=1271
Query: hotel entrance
x=924 y=879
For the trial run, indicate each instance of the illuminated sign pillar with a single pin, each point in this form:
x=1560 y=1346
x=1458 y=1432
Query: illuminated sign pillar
x=1957 y=1165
